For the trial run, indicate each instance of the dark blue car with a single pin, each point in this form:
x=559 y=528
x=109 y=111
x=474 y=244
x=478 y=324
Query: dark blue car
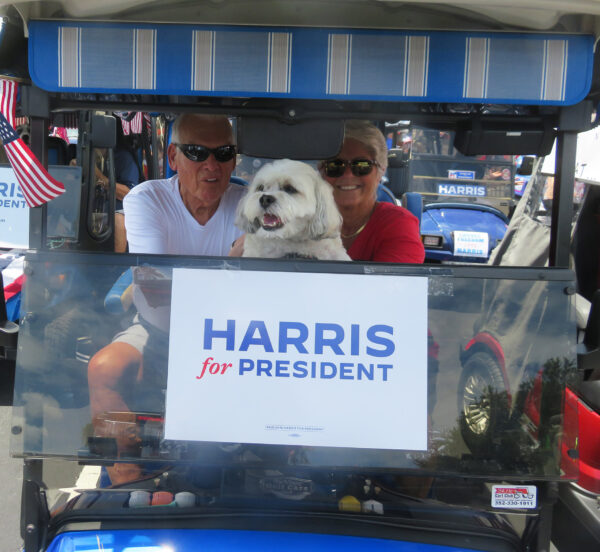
x=461 y=232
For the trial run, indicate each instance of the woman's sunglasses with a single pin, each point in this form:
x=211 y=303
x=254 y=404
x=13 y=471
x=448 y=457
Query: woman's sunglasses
x=334 y=168
x=198 y=153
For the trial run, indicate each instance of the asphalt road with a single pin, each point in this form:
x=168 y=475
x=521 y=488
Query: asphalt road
x=10 y=470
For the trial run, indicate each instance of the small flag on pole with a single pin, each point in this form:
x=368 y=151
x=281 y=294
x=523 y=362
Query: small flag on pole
x=148 y=123
x=59 y=132
x=37 y=186
x=8 y=100
x=131 y=121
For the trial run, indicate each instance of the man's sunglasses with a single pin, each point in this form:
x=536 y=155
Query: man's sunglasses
x=198 y=153
x=334 y=168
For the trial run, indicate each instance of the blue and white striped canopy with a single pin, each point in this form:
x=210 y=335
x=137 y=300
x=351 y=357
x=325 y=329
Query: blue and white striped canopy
x=311 y=63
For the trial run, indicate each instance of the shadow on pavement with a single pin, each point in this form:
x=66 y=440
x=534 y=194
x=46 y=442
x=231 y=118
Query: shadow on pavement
x=7 y=381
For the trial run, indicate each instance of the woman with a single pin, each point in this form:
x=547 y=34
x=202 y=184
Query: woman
x=371 y=231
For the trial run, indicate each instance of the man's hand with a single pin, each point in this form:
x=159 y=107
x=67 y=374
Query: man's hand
x=121 y=190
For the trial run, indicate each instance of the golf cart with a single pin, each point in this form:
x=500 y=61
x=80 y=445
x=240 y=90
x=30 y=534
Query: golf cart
x=260 y=420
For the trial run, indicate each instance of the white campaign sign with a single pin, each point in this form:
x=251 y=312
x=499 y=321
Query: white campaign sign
x=14 y=213
x=294 y=358
x=471 y=244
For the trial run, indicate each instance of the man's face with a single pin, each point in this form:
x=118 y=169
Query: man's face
x=201 y=183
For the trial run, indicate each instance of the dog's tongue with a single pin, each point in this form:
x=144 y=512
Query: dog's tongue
x=270 y=220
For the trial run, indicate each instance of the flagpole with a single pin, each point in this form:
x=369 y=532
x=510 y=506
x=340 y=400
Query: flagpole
x=15 y=79
x=37 y=215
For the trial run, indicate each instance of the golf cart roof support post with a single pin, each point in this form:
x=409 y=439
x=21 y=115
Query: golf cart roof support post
x=39 y=147
x=154 y=148
x=562 y=203
x=548 y=498
x=34 y=514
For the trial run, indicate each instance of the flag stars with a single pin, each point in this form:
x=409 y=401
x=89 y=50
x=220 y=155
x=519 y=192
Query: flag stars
x=7 y=133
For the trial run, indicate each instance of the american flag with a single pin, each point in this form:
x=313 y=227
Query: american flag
x=8 y=100
x=132 y=122
x=37 y=186
x=148 y=123
x=59 y=132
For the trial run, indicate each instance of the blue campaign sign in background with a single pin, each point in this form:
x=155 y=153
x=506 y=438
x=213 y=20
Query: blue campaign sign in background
x=470 y=190
x=461 y=175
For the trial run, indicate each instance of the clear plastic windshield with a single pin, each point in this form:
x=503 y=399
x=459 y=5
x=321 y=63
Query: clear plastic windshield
x=154 y=359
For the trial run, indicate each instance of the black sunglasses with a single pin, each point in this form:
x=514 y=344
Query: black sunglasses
x=334 y=168
x=198 y=153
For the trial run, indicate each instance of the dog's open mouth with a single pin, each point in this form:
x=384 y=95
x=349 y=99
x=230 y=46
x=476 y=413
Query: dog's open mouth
x=271 y=222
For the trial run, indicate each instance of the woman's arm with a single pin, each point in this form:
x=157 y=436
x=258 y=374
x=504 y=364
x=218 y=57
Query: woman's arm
x=400 y=241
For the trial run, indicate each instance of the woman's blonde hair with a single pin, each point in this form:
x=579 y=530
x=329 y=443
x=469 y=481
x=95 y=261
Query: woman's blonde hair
x=370 y=137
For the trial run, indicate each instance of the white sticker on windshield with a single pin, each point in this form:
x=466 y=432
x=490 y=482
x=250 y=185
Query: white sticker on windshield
x=517 y=496
x=471 y=244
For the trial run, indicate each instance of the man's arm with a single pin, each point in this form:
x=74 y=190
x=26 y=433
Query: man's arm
x=146 y=228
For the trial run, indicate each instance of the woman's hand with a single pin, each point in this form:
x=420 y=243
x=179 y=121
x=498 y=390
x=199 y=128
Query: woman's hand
x=237 y=247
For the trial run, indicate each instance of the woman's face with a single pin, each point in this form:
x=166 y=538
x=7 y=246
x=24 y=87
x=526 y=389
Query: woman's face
x=350 y=190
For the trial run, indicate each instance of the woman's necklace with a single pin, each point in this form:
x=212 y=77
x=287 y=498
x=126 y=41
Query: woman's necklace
x=354 y=234
x=357 y=232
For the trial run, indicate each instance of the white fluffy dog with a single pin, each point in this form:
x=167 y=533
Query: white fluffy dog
x=289 y=212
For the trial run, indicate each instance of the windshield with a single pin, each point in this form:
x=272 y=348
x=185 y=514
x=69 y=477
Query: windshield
x=291 y=374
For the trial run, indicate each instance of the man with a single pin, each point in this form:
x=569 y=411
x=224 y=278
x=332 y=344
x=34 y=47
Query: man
x=193 y=212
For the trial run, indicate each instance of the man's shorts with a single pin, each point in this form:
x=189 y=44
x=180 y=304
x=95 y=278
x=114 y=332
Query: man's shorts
x=136 y=335
x=153 y=346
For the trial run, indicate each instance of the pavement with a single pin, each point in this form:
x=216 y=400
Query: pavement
x=11 y=474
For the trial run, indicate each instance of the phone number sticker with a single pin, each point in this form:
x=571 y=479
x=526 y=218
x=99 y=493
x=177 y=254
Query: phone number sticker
x=519 y=496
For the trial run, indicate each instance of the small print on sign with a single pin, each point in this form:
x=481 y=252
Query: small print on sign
x=518 y=496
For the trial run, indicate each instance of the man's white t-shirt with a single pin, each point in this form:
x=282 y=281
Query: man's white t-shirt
x=157 y=221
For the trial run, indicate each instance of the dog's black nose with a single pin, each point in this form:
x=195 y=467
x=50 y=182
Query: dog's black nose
x=266 y=200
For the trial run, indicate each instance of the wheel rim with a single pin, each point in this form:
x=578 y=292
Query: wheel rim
x=476 y=404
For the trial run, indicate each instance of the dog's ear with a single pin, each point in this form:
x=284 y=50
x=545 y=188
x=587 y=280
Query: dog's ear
x=327 y=220
x=241 y=220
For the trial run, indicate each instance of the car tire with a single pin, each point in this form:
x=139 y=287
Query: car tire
x=482 y=403
x=60 y=334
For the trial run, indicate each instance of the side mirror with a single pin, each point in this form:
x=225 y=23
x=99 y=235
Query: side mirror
x=103 y=131
x=526 y=167
x=504 y=138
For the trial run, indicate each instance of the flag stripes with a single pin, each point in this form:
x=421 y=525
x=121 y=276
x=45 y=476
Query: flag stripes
x=37 y=186
x=8 y=103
